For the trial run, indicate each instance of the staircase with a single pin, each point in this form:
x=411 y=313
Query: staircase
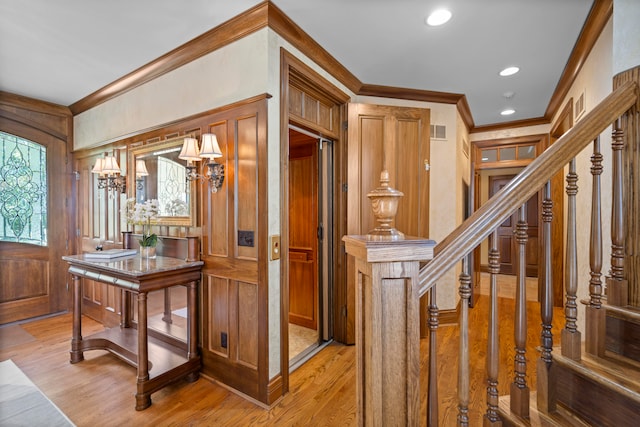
x=590 y=380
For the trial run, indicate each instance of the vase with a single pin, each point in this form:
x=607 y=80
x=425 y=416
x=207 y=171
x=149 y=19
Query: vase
x=148 y=252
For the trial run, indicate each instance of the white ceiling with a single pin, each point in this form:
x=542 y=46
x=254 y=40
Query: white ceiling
x=61 y=51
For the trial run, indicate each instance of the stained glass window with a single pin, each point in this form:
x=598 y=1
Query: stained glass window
x=23 y=190
x=171 y=188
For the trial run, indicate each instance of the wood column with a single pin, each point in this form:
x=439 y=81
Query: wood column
x=388 y=328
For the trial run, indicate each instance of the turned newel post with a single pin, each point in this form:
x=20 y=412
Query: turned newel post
x=387 y=316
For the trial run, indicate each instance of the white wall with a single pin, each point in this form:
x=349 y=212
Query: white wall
x=232 y=73
x=626 y=35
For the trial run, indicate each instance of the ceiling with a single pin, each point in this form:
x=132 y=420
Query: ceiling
x=61 y=51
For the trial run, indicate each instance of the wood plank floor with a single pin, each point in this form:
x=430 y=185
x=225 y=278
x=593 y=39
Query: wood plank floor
x=100 y=390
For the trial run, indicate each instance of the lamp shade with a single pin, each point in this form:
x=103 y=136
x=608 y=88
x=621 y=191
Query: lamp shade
x=190 y=150
x=110 y=165
x=210 y=147
x=141 y=168
x=97 y=168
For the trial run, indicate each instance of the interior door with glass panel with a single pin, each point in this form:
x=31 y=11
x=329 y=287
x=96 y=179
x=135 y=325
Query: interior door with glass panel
x=33 y=226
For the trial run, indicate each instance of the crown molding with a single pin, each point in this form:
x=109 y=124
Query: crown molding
x=35 y=105
x=510 y=125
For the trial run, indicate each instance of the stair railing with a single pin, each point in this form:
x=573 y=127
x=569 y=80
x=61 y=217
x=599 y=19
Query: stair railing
x=484 y=222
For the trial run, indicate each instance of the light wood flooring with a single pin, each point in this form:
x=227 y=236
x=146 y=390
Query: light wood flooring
x=100 y=390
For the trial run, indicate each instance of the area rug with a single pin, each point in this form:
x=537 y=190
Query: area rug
x=23 y=404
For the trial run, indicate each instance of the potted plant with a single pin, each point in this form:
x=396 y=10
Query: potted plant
x=142 y=214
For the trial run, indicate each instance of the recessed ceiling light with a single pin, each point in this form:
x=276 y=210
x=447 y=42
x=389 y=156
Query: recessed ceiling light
x=510 y=94
x=438 y=17
x=508 y=112
x=509 y=71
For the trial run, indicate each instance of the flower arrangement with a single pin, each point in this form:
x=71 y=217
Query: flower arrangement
x=142 y=214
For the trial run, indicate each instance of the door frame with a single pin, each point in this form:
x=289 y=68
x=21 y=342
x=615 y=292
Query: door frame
x=293 y=71
x=541 y=142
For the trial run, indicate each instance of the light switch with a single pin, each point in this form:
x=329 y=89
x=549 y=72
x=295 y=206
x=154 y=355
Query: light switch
x=275 y=247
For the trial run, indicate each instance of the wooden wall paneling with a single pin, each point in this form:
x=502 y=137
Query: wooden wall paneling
x=247 y=183
x=216 y=227
x=218 y=298
x=247 y=320
x=236 y=295
x=303 y=238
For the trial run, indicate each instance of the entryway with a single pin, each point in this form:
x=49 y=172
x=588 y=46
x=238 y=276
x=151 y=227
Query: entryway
x=310 y=234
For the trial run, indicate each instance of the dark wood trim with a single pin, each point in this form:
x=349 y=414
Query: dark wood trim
x=275 y=390
x=26 y=121
x=32 y=104
x=460 y=100
x=413 y=94
x=597 y=19
x=510 y=125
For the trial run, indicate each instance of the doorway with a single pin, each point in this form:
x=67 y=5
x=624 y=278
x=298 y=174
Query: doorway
x=309 y=244
x=507 y=245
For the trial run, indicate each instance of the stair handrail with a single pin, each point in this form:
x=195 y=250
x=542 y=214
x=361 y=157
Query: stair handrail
x=482 y=222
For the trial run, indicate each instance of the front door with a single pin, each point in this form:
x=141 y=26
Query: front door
x=506 y=241
x=33 y=226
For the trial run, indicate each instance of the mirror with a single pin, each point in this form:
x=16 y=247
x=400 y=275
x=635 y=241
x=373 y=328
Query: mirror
x=158 y=173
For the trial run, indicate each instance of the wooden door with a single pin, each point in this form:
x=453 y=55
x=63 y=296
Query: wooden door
x=506 y=241
x=303 y=230
x=395 y=139
x=35 y=224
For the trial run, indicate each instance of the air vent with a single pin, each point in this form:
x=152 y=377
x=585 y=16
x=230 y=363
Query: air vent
x=438 y=132
x=579 y=107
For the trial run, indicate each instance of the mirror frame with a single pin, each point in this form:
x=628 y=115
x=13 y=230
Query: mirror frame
x=190 y=220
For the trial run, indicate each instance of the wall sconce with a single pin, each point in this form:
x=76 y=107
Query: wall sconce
x=141 y=170
x=210 y=150
x=109 y=174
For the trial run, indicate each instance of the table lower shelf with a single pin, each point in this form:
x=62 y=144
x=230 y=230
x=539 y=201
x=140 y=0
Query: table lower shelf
x=167 y=363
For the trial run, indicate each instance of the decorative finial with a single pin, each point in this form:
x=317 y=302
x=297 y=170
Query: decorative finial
x=384 y=202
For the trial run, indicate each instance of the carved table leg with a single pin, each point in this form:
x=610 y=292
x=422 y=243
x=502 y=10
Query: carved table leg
x=143 y=400
x=76 y=340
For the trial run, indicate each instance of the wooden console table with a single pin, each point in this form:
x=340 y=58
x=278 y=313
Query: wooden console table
x=158 y=361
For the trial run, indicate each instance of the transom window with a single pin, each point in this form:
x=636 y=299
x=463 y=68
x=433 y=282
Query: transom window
x=23 y=190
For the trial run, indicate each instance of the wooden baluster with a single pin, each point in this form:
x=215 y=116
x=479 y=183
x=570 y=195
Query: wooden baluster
x=432 y=390
x=546 y=385
x=570 y=337
x=463 y=365
x=519 y=388
x=491 y=417
x=617 y=293
x=595 y=315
